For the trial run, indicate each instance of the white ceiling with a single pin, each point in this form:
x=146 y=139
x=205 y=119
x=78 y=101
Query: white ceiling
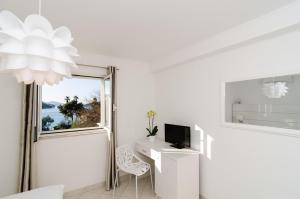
x=143 y=29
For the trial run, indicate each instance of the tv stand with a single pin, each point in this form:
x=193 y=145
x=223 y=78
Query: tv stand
x=177 y=146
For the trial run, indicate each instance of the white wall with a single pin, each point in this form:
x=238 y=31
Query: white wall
x=80 y=161
x=243 y=164
x=10 y=119
x=76 y=161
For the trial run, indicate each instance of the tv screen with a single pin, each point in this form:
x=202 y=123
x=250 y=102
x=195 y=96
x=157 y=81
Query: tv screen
x=179 y=136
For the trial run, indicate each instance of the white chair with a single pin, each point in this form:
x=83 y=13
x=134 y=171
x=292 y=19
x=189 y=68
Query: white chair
x=128 y=162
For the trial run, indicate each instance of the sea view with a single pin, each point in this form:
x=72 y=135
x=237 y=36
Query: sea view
x=54 y=114
x=76 y=97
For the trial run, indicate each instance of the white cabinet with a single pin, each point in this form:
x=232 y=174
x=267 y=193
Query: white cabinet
x=176 y=170
x=166 y=182
x=178 y=178
x=188 y=181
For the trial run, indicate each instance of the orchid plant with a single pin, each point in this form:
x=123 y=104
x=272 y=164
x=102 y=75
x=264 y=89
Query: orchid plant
x=152 y=130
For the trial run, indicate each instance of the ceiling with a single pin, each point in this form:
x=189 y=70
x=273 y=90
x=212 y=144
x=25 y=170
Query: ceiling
x=144 y=30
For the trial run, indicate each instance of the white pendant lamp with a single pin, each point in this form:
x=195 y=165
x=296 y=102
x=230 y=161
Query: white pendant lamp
x=33 y=51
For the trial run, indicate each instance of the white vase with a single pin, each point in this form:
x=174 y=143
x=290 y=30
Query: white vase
x=151 y=138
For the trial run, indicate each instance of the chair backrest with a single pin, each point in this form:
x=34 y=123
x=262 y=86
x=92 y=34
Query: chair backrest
x=124 y=156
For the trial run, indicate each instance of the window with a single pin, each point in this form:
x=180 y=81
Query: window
x=74 y=104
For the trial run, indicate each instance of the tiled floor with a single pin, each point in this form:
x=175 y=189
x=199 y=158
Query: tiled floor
x=126 y=190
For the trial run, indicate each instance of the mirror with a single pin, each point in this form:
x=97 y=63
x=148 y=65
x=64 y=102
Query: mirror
x=273 y=102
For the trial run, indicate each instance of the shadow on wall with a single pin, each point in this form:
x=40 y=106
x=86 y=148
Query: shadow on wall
x=206 y=141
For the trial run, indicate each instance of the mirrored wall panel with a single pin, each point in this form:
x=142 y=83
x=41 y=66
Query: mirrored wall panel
x=273 y=102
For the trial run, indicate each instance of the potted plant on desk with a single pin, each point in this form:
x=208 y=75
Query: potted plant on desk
x=152 y=130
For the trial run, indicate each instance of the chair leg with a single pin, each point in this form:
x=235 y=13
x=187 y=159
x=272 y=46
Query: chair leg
x=136 y=187
x=151 y=179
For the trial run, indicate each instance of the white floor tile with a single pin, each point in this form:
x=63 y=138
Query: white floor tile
x=126 y=190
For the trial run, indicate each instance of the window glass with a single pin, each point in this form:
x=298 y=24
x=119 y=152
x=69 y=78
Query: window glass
x=107 y=90
x=72 y=104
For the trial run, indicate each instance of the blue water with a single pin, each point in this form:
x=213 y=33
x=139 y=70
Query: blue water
x=54 y=114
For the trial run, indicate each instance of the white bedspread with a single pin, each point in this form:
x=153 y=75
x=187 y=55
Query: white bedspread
x=50 y=192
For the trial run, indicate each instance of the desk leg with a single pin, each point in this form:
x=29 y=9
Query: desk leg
x=151 y=179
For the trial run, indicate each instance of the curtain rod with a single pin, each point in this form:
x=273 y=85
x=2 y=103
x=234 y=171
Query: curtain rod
x=93 y=66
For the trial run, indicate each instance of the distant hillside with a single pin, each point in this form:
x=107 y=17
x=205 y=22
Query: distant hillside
x=47 y=105
x=54 y=103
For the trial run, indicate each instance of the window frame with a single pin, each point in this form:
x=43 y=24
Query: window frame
x=69 y=131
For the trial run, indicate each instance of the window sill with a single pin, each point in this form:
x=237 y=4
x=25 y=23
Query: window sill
x=64 y=134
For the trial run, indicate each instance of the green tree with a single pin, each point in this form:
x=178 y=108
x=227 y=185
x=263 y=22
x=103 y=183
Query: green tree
x=71 y=108
x=46 y=123
x=62 y=125
x=67 y=99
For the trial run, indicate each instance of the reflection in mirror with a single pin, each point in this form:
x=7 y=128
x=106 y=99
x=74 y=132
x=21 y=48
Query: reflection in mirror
x=273 y=102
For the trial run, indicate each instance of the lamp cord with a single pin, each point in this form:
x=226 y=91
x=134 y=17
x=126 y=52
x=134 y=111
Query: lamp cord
x=40 y=7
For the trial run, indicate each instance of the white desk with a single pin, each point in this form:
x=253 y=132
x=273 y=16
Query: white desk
x=176 y=170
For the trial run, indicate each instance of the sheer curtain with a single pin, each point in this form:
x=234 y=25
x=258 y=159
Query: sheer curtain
x=111 y=124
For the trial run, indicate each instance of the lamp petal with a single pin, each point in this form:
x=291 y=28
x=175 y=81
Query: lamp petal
x=39 y=77
x=24 y=75
x=53 y=78
x=11 y=24
x=72 y=51
x=38 y=46
x=61 y=68
x=4 y=36
x=12 y=46
x=64 y=34
x=13 y=62
x=39 y=64
x=37 y=22
x=61 y=55
x=9 y=21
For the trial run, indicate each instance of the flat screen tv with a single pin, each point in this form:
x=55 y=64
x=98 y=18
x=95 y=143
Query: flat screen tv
x=178 y=136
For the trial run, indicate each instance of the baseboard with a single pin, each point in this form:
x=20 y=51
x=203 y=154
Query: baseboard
x=91 y=187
